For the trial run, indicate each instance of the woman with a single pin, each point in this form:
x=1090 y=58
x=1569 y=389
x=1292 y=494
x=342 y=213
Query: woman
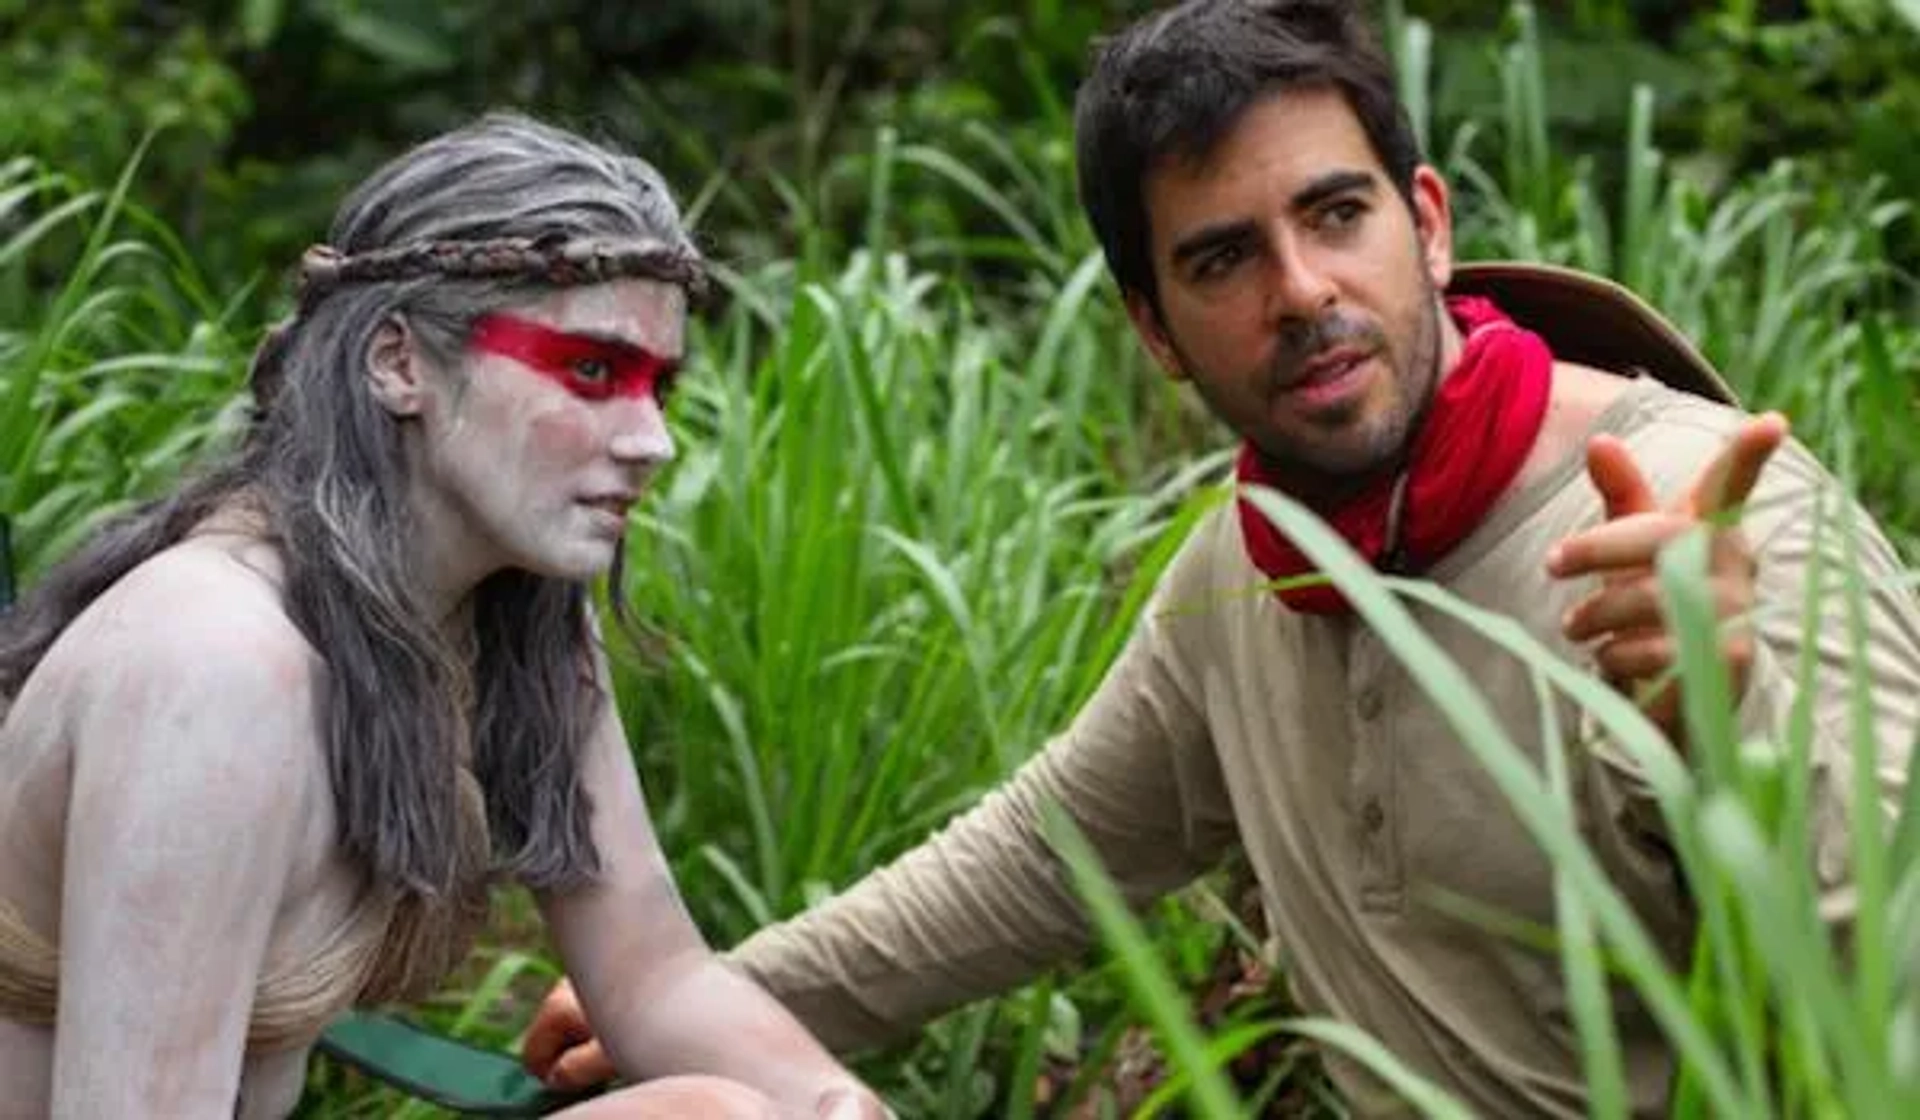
x=264 y=743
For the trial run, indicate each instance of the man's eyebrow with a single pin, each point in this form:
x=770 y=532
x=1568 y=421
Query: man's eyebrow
x=1331 y=184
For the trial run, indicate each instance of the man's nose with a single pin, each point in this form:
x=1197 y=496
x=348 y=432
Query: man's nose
x=639 y=432
x=1300 y=287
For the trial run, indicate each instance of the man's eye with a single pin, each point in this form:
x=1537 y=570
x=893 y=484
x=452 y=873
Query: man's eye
x=1219 y=262
x=593 y=371
x=1342 y=215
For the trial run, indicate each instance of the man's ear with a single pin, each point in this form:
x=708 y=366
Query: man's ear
x=396 y=373
x=1153 y=335
x=1433 y=222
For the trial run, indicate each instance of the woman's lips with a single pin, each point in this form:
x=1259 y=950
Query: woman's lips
x=609 y=512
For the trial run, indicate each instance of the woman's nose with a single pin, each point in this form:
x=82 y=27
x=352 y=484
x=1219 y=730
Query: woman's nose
x=639 y=432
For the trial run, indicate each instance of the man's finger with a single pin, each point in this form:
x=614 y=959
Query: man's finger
x=1731 y=476
x=558 y=1024
x=545 y=1042
x=1636 y=657
x=846 y=1104
x=1632 y=604
x=1622 y=487
x=582 y=1067
x=1630 y=542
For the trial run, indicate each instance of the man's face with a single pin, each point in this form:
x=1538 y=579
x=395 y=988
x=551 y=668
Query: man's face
x=1298 y=292
x=540 y=443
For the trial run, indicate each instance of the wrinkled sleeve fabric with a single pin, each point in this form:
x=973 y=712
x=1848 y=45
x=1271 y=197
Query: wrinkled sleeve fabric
x=984 y=905
x=1802 y=526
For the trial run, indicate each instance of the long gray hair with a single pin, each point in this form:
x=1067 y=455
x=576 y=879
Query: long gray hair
x=404 y=707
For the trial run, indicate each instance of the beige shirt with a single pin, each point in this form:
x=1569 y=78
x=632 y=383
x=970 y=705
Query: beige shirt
x=1229 y=719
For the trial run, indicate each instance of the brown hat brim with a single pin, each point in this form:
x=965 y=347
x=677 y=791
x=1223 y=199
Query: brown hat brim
x=1594 y=321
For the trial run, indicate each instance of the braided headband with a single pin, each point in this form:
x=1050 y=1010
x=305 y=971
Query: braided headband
x=553 y=259
x=550 y=259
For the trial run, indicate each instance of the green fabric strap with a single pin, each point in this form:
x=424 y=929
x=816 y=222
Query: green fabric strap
x=438 y=1069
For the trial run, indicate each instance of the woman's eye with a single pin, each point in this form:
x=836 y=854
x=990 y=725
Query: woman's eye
x=593 y=371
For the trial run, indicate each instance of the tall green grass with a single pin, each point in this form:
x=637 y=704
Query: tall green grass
x=878 y=568
x=117 y=362
x=893 y=558
x=1781 y=280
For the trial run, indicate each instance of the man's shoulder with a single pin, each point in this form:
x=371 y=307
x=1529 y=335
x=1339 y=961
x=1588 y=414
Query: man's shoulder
x=1673 y=435
x=1211 y=557
x=1663 y=422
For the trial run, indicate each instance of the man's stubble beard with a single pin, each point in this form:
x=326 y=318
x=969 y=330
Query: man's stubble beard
x=1331 y=477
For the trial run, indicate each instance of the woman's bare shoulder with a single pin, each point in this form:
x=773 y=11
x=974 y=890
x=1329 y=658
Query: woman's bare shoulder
x=192 y=637
x=203 y=607
x=184 y=692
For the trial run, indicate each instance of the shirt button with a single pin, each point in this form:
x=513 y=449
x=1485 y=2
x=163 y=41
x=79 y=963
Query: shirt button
x=1372 y=816
x=1368 y=704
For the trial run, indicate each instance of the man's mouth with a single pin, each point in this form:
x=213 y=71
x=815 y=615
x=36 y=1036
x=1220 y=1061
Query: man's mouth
x=1330 y=377
x=1329 y=367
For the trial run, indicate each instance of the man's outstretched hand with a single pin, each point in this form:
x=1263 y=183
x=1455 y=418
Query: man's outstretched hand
x=1621 y=619
x=560 y=1048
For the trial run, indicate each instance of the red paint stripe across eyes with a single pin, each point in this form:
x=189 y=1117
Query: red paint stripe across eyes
x=590 y=368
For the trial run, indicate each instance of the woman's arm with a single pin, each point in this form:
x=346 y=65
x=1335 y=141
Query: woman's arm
x=664 y=1004
x=192 y=789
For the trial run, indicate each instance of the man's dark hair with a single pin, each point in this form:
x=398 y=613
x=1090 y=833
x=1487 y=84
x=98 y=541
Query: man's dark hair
x=1175 y=83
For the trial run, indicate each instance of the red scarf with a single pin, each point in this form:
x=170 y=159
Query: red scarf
x=1483 y=422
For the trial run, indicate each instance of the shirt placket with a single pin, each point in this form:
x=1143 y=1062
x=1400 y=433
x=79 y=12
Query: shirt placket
x=1373 y=789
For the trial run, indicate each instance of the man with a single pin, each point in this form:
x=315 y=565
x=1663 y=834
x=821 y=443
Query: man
x=1258 y=194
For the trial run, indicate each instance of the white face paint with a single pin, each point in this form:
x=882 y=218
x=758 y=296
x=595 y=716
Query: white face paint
x=532 y=453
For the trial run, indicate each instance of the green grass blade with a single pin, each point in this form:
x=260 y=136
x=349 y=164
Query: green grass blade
x=1426 y=1098
x=1155 y=993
